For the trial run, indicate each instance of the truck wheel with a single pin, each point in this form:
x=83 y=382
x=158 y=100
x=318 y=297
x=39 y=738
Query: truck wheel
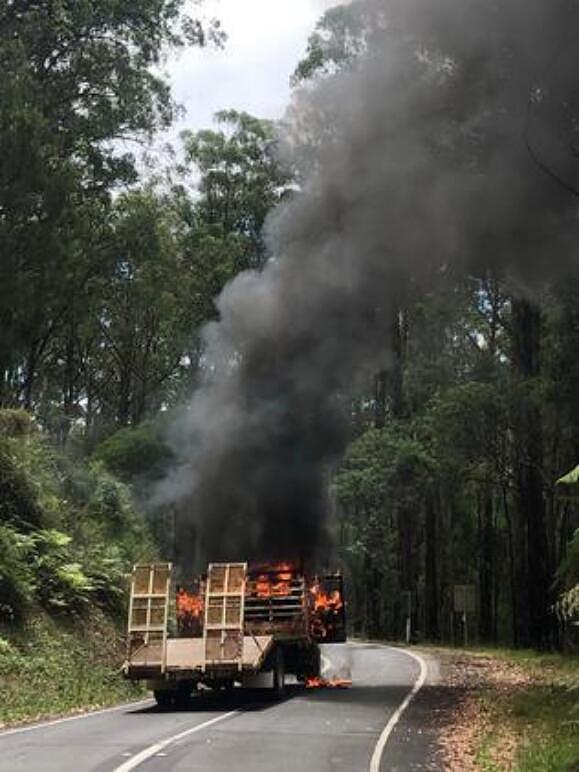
x=163 y=697
x=278 y=675
x=184 y=692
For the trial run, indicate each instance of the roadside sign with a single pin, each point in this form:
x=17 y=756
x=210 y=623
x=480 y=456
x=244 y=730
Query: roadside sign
x=406 y=597
x=464 y=599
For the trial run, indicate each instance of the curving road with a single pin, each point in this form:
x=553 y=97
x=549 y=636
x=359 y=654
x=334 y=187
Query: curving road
x=380 y=723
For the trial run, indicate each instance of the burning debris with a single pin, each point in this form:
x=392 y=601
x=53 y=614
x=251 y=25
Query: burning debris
x=277 y=592
x=271 y=581
x=189 y=608
x=328 y=683
x=282 y=587
x=327 y=619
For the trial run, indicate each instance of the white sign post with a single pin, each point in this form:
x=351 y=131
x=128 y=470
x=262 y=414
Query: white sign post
x=407 y=603
x=464 y=604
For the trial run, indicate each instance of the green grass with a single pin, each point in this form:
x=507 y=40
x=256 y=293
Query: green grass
x=49 y=667
x=542 y=717
x=562 y=665
x=549 y=717
x=69 y=533
x=484 y=753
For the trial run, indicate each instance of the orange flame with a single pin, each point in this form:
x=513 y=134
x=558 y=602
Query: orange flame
x=326 y=608
x=328 y=683
x=326 y=600
x=188 y=604
x=272 y=580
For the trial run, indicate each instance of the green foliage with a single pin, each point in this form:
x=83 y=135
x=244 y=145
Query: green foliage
x=49 y=668
x=16 y=423
x=107 y=567
x=135 y=452
x=568 y=605
x=69 y=532
x=569 y=569
x=474 y=415
x=381 y=467
x=541 y=717
x=341 y=35
x=77 y=78
x=127 y=341
x=465 y=425
x=241 y=181
x=60 y=583
x=382 y=487
x=16 y=576
x=18 y=494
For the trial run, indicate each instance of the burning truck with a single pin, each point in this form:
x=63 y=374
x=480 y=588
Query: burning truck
x=237 y=623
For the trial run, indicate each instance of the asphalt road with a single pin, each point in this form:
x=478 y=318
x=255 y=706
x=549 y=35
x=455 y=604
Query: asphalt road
x=380 y=723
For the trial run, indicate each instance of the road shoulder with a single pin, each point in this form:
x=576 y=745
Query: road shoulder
x=505 y=710
x=415 y=741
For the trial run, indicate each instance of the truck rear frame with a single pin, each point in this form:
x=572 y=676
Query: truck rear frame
x=241 y=624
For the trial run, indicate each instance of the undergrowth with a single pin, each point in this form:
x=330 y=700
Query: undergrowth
x=69 y=533
x=50 y=667
x=539 y=719
x=69 y=530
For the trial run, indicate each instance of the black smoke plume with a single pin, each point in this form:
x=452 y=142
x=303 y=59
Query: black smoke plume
x=451 y=143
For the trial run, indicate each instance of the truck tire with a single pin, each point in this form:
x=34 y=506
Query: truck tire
x=163 y=697
x=183 y=694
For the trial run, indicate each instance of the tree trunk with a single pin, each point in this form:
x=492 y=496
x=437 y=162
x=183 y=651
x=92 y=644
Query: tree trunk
x=70 y=380
x=512 y=571
x=431 y=570
x=29 y=379
x=380 y=400
x=486 y=566
x=125 y=395
x=397 y=370
x=408 y=551
x=526 y=338
x=388 y=385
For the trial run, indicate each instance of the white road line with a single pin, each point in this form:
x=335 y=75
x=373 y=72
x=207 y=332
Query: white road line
x=66 y=719
x=386 y=732
x=154 y=750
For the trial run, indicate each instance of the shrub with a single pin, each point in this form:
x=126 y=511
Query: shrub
x=16 y=423
x=134 y=452
x=61 y=584
x=16 y=577
x=69 y=532
x=568 y=605
x=18 y=496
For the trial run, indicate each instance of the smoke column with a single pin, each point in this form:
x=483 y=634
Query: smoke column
x=447 y=144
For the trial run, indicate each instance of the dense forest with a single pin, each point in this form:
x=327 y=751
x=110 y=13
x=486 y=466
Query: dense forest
x=110 y=269
x=451 y=475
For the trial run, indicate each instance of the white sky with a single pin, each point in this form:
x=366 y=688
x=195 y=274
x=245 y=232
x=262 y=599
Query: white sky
x=266 y=39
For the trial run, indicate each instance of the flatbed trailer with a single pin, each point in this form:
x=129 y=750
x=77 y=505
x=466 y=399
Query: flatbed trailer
x=239 y=624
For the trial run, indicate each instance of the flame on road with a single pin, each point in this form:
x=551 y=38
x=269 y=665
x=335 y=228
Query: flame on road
x=328 y=683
